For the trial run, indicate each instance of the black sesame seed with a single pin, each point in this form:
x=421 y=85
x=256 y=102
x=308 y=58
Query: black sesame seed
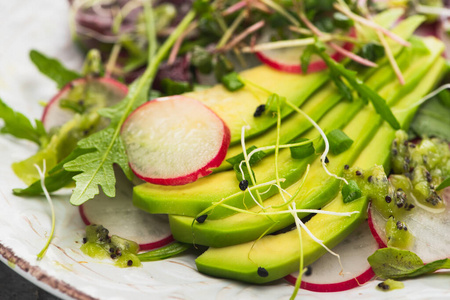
x=113 y=256
x=308 y=271
x=346 y=167
x=369 y=179
x=259 y=110
x=202 y=218
x=129 y=263
x=84 y=240
x=243 y=185
x=405 y=143
x=394 y=152
x=383 y=286
x=411 y=145
x=262 y=272
x=399 y=225
x=388 y=199
x=358 y=173
x=405 y=228
x=326 y=159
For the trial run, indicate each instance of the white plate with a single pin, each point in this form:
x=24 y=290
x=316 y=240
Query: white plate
x=25 y=222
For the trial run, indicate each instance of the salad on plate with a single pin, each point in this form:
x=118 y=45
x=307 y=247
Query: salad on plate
x=244 y=149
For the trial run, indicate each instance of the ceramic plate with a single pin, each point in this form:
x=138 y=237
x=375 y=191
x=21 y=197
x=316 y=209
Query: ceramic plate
x=25 y=222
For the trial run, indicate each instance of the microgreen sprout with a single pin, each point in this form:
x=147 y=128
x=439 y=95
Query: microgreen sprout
x=324 y=137
x=426 y=98
x=50 y=202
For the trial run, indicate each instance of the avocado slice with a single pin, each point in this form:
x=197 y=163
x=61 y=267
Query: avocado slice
x=193 y=198
x=236 y=108
x=279 y=254
x=320 y=188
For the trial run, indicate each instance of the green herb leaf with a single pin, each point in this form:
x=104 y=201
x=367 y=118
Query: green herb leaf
x=372 y=51
x=299 y=152
x=202 y=60
x=339 y=141
x=338 y=70
x=17 y=125
x=351 y=191
x=93 y=65
x=164 y=252
x=232 y=82
x=53 y=69
x=444 y=184
x=396 y=264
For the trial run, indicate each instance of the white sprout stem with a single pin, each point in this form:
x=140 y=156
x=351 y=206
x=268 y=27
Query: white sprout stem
x=371 y=24
x=336 y=47
x=273 y=147
x=324 y=136
x=285 y=44
x=278 y=8
x=50 y=202
x=426 y=98
x=243 y=35
x=430 y=10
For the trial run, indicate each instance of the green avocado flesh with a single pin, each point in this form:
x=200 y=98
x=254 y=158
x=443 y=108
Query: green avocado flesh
x=236 y=108
x=192 y=199
x=319 y=188
x=279 y=254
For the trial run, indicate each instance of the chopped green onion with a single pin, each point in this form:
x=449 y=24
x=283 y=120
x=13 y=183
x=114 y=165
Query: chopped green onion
x=339 y=141
x=351 y=191
x=171 y=87
x=242 y=173
x=302 y=151
x=236 y=160
x=232 y=82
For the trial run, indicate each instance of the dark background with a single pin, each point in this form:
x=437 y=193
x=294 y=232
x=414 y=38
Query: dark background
x=15 y=287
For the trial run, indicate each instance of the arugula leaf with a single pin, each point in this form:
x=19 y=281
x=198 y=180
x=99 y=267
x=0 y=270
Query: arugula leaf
x=96 y=167
x=56 y=179
x=339 y=72
x=53 y=69
x=396 y=264
x=20 y=127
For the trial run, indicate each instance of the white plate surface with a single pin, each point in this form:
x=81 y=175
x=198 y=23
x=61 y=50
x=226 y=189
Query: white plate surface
x=25 y=223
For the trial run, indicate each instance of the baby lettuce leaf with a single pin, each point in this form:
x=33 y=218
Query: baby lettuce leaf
x=53 y=69
x=395 y=263
x=20 y=127
x=96 y=168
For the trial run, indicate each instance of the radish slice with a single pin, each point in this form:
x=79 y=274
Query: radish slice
x=112 y=90
x=325 y=273
x=121 y=218
x=174 y=140
x=375 y=220
x=430 y=230
x=288 y=59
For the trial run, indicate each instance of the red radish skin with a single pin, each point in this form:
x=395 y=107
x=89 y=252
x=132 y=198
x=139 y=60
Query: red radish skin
x=373 y=230
x=295 y=67
x=54 y=115
x=174 y=162
x=121 y=218
x=354 y=251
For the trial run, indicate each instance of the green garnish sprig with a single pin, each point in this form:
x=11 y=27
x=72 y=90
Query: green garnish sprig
x=96 y=167
x=339 y=73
